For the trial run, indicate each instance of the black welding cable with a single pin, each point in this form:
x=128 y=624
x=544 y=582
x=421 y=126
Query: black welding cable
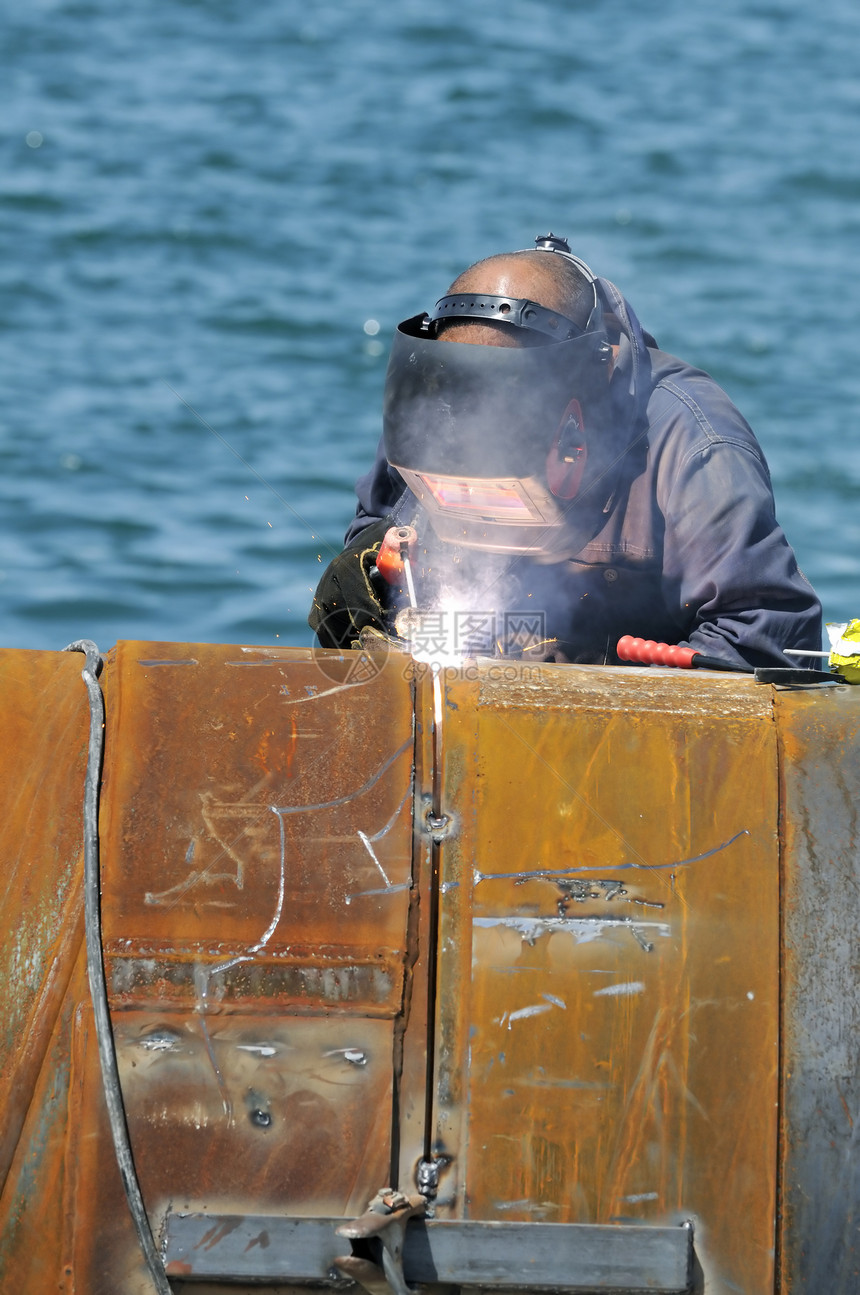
x=96 y=969
x=436 y=823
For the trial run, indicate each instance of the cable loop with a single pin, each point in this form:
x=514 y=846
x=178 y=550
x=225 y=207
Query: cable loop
x=96 y=970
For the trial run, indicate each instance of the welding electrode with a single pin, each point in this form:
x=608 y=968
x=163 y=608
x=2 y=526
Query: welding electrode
x=647 y=652
x=393 y=560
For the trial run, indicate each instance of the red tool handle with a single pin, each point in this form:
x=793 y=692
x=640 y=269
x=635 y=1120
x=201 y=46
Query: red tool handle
x=394 y=547
x=647 y=652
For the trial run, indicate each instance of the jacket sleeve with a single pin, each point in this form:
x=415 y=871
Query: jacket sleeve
x=378 y=491
x=728 y=571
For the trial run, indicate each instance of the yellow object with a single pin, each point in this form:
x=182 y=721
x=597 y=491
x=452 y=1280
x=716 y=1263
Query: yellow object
x=845 y=652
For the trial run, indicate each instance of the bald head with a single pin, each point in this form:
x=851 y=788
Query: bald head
x=544 y=277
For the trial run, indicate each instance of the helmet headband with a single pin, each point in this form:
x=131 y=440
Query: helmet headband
x=518 y=312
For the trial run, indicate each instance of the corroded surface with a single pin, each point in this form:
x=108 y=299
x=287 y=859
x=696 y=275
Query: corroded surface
x=820 y=1228
x=253 y=829
x=608 y=968
x=43 y=716
x=44 y=721
x=630 y=689
x=256 y=837
x=606 y=1006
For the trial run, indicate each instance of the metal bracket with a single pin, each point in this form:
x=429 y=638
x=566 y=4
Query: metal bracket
x=510 y=1258
x=378 y=1235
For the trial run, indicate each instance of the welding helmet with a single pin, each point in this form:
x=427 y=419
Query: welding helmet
x=509 y=449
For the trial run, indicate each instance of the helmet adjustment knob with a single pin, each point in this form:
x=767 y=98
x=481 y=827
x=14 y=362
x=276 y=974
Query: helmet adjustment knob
x=552 y=243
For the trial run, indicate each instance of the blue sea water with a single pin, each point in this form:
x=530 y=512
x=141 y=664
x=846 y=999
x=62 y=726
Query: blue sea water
x=214 y=214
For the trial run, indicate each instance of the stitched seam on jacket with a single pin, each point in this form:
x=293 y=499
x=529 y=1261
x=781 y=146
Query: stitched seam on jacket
x=713 y=437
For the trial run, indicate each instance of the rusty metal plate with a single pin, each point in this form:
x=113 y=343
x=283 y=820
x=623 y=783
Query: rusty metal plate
x=44 y=721
x=820 y=765
x=609 y=953
x=256 y=829
x=35 y=1202
x=270 y=1112
x=257 y=880
x=606 y=996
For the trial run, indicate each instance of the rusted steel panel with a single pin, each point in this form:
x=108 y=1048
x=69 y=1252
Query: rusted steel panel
x=256 y=829
x=100 y=1248
x=44 y=722
x=820 y=765
x=606 y=995
x=256 y=867
x=608 y=977
x=305 y=1130
x=256 y=858
x=35 y=1201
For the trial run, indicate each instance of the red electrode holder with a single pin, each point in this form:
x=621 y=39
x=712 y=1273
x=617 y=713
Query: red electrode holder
x=647 y=652
x=394 y=549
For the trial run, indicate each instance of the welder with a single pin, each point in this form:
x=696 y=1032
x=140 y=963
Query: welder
x=554 y=461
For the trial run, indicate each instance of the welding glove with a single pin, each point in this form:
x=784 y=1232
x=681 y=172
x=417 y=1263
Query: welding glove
x=347 y=599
